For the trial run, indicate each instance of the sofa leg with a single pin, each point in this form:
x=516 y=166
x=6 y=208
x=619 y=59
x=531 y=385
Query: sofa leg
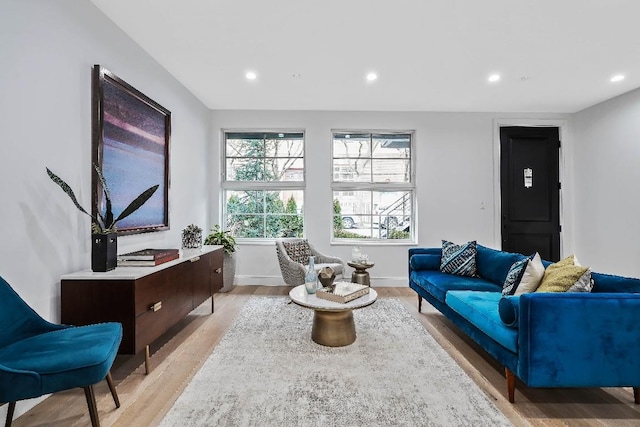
x=511 y=384
x=636 y=395
x=419 y=304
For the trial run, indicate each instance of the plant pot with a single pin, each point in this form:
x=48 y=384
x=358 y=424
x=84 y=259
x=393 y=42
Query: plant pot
x=228 y=272
x=104 y=252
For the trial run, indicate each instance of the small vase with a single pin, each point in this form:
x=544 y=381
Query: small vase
x=311 y=278
x=104 y=252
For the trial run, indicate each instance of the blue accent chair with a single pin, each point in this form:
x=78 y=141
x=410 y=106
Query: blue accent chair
x=38 y=357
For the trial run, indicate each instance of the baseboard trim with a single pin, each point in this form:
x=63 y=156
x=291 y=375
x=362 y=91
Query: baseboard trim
x=380 y=282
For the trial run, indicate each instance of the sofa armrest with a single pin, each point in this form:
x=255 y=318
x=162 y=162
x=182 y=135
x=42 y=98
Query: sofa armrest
x=579 y=340
x=424 y=262
x=428 y=262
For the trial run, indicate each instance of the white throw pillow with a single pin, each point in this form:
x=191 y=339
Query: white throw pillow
x=532 y=276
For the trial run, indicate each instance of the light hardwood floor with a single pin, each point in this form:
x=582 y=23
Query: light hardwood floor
x=178 y=355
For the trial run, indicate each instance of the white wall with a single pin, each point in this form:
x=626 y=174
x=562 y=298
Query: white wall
x=47 y=51
x=607 y=173
x=455 y=157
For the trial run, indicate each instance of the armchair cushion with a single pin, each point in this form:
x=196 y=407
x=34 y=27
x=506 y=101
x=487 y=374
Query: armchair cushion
x=299 y=251
x=62 y=359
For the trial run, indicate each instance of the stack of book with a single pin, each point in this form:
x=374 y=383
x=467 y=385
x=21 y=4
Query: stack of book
x=343 y=292
x=147 y=257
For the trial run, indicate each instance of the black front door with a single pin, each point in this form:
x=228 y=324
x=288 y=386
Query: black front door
x=530 y=190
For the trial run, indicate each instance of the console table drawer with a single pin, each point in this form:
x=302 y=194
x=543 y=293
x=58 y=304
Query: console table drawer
x=151 y=324
x=159 y=286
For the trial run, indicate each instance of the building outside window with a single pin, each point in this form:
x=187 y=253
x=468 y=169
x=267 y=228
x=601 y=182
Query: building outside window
x=263 y=184
x=373 y=186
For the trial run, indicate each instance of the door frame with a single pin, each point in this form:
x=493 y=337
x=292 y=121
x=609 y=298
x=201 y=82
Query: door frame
x=566 y=234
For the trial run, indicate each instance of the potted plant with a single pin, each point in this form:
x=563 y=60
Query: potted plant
x=192 y=237
x=226 y=240
x=104 y=244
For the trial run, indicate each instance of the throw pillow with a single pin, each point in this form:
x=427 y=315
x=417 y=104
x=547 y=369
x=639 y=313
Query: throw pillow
x=531 y=277
x=583 y=284
x=514 y=275
x=299 y=251
x=559 y=277
x=459 y=259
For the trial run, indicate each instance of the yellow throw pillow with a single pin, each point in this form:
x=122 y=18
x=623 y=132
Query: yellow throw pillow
x=559 y=277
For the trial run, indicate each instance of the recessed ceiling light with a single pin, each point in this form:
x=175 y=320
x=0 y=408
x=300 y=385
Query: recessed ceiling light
x=494 y=78
x=371 y=77
x=251 y=75
x=617 y=78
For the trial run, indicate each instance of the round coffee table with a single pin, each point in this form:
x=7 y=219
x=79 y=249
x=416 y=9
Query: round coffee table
x=333 y=324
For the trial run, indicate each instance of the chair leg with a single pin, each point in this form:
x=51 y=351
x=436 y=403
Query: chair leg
x=636 y=395
x=419 y=304
x=511 y=384
x=112 y=387
x=91 y=403
x=10 y=410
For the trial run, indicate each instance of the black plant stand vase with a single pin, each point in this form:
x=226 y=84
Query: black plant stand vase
x=104 y=252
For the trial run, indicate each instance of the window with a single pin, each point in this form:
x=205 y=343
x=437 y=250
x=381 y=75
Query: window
x=373 y=185
x=263 y=185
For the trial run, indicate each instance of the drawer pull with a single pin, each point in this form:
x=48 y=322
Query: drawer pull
x=195 y=259
x=218 y=270
x=155 y=307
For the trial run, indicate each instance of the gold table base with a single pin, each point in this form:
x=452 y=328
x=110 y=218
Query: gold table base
x=333 y=328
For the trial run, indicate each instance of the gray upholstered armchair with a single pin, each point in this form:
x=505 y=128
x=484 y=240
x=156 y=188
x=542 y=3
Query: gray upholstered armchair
x=293 y=256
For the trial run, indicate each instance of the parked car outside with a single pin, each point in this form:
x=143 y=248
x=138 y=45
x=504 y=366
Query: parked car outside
x=348 y=222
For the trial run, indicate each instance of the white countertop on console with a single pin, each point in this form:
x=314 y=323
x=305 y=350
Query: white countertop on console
x=133 y=273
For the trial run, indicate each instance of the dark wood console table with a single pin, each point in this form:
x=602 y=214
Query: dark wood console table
x=147 y=301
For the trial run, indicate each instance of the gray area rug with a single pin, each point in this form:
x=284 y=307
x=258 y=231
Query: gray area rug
x=266 y=371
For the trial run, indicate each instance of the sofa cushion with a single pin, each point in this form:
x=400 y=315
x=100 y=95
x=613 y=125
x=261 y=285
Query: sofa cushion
x=493 y=264
x=459 y=259
x=560 y=276
x=481 y=309
x=514 y=275
x=438 y=283
x=532 y=276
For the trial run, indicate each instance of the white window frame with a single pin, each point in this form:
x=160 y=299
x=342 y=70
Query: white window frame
x=377 y=187
x=279 y=186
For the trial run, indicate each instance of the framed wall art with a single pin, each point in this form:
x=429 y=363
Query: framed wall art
x=130 y=142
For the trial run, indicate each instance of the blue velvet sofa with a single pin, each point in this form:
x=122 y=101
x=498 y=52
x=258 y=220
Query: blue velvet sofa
x=568 y=339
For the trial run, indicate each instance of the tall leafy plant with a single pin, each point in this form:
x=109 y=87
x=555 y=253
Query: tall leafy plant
x=104 y=222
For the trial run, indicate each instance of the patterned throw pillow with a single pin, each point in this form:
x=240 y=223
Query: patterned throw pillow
x=584 y=283
x=516 y=271
x=299 y=251
x=531 y=277
x=561 y=276
x=459 y=259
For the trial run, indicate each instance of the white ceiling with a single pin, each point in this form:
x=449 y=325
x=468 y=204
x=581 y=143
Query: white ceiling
x=430 y=55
